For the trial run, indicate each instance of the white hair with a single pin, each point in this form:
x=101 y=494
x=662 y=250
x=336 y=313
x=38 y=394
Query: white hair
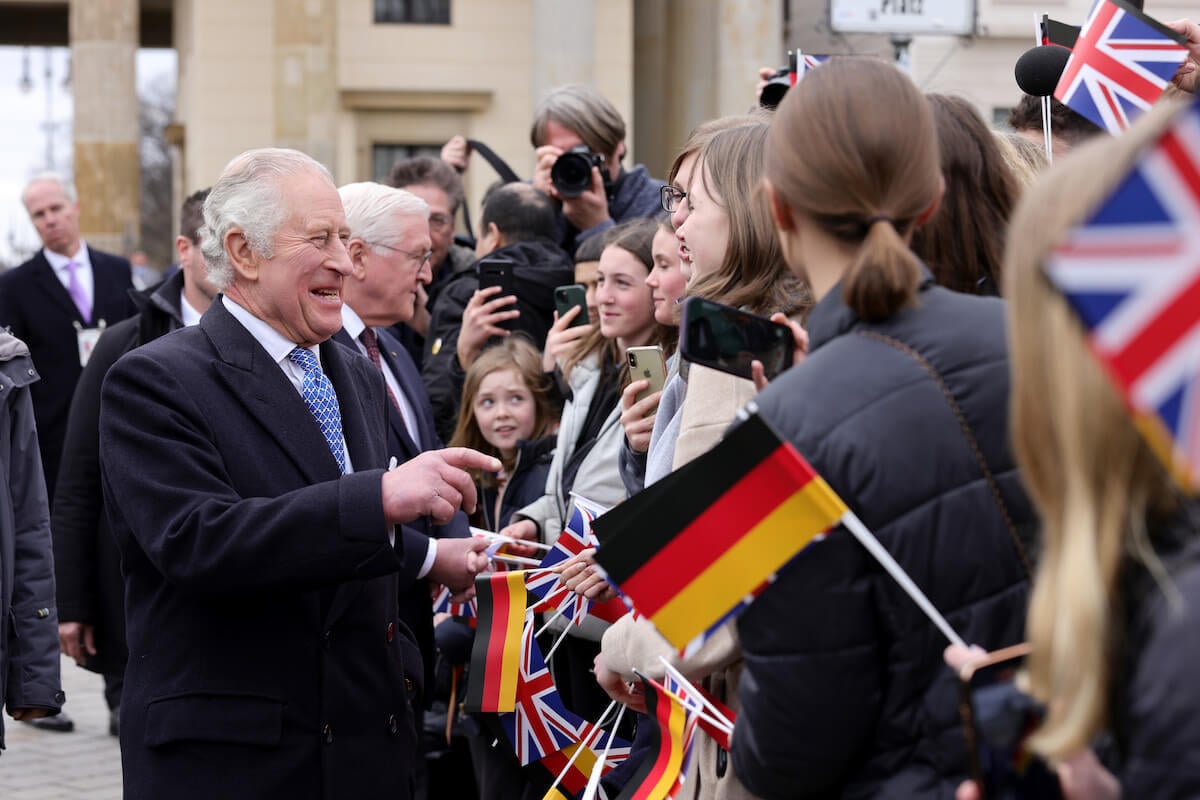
x=371 y=208
x=50 y=177
x=249 y=196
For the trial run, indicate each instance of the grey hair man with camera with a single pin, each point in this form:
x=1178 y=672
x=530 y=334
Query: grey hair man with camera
x=579 y=141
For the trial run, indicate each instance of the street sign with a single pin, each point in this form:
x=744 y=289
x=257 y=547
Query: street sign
x=903 y=17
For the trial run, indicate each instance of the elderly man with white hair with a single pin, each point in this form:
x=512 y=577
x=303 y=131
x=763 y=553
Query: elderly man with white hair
x=390 y=252
x=245 y=471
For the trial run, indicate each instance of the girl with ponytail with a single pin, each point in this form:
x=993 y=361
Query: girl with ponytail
x=901 y=404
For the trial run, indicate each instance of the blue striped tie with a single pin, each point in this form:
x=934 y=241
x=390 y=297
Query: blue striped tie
x=318 y=394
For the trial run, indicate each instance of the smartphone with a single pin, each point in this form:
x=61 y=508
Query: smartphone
x=997 y=721
x=497 y=272
x=567 y=297
x=647 y=363
x=729 y=339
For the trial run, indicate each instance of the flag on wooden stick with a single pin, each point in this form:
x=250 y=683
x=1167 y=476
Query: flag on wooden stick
x=496 y=654
x=690 y=548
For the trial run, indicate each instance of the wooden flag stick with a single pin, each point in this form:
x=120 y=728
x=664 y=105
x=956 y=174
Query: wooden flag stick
x=868 y=540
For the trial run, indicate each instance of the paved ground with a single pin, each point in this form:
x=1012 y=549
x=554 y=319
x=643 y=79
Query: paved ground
x=82 y=765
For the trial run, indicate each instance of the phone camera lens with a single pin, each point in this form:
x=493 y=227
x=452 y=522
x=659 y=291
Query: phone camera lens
x=633 y=360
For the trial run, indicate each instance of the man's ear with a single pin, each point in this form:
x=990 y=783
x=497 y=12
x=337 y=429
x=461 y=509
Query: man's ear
x=358 y=251
x=183 y=248
x=781 y=212
x=245 y=261
x=934 y=204
x=495 y=237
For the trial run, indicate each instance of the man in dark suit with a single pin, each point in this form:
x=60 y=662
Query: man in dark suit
x=243 y=463
x=57 y=300
x=390 y=249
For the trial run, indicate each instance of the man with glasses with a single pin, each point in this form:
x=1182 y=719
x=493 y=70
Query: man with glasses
x=435 y=182
x=390 y=257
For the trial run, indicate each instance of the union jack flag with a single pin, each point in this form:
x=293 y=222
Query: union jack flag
x=442 y=605
x=541 y=724
x=696 y=701
x=547 y=586
x=1132 y=274
x=812 y=62
x=1119 y=65
x=617 y=753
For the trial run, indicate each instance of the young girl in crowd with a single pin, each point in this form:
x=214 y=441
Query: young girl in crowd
x=508 y=411
x=724 y=221
x=901 y=405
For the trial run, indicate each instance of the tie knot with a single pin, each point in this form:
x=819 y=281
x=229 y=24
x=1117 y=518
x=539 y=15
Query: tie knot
x=304 y=358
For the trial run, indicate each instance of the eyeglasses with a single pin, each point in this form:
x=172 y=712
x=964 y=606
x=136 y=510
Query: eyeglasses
x=440 y=222
x=670 y=197
x=423 y=257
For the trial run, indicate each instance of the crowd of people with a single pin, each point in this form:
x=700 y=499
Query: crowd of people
x=235 y=494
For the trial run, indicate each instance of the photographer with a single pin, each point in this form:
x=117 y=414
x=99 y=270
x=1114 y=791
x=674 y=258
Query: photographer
x=577 y=131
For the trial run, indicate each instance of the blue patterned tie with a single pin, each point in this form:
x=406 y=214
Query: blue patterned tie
x=318 y=394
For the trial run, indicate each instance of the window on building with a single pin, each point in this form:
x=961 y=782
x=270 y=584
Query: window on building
x=384 y=156
x=413 y=12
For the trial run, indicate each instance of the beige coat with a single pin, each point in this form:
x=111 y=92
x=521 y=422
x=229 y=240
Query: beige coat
x=710 y=405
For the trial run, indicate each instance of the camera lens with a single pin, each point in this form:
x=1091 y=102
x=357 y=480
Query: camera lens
x=633 y=360
x=572 y=174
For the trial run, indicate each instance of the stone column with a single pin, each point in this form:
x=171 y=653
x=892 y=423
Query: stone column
x=306 y=97
x=749 y=36
x=104 y=39
x=563 y=44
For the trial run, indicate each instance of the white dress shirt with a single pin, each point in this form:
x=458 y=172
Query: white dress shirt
x=277 y=348
x=188 y=312
x=354 y=327
x=83 y=271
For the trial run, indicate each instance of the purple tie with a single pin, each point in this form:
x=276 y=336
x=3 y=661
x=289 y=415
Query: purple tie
x=75 y=289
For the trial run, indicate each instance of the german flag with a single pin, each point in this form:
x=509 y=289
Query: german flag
x=691 y=547
x=659 y=777
x=496 y=654
x=576 y=778
x=1059 y=33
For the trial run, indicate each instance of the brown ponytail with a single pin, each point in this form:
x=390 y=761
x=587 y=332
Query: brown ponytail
x=884 y=277
x=854 y=149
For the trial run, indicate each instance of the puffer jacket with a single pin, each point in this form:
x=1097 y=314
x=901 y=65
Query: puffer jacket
x=29 y=661
x=844 y=692
x=1155 y=708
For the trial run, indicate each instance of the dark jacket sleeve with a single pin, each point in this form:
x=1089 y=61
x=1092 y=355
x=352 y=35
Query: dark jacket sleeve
x=1163 y=720
x=34 y=679
x=798 y=656
x=633 y=469
x=200 y=534
x=441 y=372
x=78 y=494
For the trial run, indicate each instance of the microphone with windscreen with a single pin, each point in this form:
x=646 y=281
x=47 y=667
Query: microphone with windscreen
x=1039 y=69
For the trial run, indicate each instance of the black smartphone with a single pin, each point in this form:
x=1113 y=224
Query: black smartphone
x=729 y=339
x=567 y=297
x=997 y=721
x=497 y=272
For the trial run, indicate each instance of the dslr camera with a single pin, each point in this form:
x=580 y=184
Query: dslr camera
x=572 y=172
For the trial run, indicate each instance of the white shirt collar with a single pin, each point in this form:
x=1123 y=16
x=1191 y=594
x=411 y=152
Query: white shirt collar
x=272 y=341
x=59 y=261
x=188 y=312
x=352 y=322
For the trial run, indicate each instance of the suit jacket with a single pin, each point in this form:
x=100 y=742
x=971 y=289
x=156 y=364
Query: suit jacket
x=34 y=303
x=416 y=607
x=87 y=566
x=265 y=655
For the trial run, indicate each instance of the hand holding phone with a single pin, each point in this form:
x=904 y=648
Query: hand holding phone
x=731 y=340
x=498 y=272
x=648 y=364
x=572 y=296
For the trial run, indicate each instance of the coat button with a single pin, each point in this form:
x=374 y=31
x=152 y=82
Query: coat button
x=327 y=639
x=408 y=687
x=391 y=631
x=392 y=725
x=327 y=733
